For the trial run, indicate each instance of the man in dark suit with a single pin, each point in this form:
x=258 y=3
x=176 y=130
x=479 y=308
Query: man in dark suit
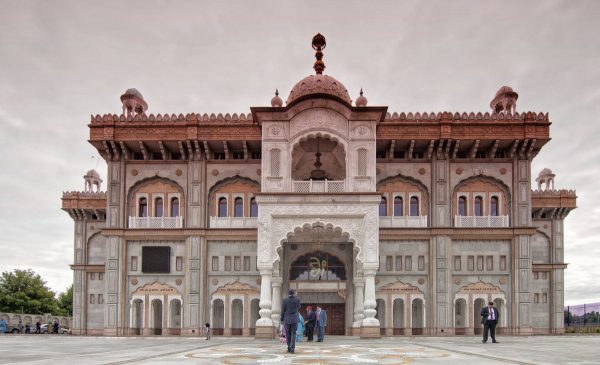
x=311 y=321
x=289 y=318
x=489 y=318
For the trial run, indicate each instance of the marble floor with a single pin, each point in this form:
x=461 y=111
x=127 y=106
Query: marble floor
x=63 y=349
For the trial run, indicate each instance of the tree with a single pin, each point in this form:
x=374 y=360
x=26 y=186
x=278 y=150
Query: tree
x=65 y=301
x=25 y=291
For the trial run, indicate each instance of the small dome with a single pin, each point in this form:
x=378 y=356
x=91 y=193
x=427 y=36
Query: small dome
x=133 y=92
x=318 y=84
x=361 y=100
x=276 y=102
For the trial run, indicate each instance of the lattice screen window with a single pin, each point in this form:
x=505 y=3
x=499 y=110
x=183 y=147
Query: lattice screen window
x=408 y=263
x=100 y=276
x=275 y=162
x=134 y=263
x=215 y=263
x=544 y=298
x=457 y=262
x=237 y=263
x=479 y=263
x=536 y=298
x=246 y=263
x=92 y=299
x=503 y=263
x=398 y=263
x=421 y=263
x=227 y=263
x=100 y=299
x=179 y=263
x=389 y=266
x=362 y=162
x=489 y=263
x=471 y=263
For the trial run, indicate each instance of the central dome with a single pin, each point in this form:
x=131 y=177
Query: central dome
x=319 y=85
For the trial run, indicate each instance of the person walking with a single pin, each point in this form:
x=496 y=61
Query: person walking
x=321 y=323
x=38 y=327
x=55 y=327
x=20 y=327
x=2 y=326
x=28 y=328
x=311 y=321
x=207 y=330
x=489 y=319
x=289 y=317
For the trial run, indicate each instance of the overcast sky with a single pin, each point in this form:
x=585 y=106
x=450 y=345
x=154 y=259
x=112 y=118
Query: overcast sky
x=62 y=61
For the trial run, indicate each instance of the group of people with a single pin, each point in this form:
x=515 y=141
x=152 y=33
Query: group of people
x=294 y=326
x=52 y=327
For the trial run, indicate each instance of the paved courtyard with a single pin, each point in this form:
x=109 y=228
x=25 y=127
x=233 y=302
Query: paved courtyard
x=45 y=349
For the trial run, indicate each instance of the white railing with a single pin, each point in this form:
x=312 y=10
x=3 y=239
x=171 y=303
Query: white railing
x=403 y=221
x=233 y=222
x=474 y=221
x=318 y=186
x=156 y=222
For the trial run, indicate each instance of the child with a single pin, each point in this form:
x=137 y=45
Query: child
x=282 y=338
x=207 y=330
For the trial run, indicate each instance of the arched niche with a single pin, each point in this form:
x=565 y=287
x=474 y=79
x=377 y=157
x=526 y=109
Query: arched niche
x=406 y=188
x=152 y=188
x=331 y=157
x=231 y=188
x=540 y=248
x=485 y=187
x=96 y=249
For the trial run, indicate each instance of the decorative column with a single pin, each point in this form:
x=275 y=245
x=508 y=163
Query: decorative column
x=359 y=287
x=370 y=324
x=264 y=326
x=276 y=306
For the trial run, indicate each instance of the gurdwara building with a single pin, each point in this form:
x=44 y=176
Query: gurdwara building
x=396 y=223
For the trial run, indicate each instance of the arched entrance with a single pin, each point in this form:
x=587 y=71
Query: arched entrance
x=316 y=264
x=460 y=316
x=137 y=317
x=218 y=317
x=157 y=308
x=477 y=306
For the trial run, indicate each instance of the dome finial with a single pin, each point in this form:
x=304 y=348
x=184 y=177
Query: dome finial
x=276 y=102
x=318 y=44
x=361 y=100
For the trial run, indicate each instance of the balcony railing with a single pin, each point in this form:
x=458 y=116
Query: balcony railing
x=318 y=186
x=233 y=222
x=474 y=221
x=403 y=221
x=156 y=222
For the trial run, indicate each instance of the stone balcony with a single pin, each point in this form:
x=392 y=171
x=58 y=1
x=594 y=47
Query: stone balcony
x=403 y=221
x=156 y=222
x=233 y=222
x=319 y=186
x=473 y=221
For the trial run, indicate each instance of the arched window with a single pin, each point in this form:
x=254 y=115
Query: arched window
x=478 y=206
x=253 y=208
x=414 y=206
x=494 y=206
x=174 y=207
x=143 y=209
x=222 y=207
x=158 y=207
x=383 y=207
x=398 y=206
x=462 y=205
x=238 y=207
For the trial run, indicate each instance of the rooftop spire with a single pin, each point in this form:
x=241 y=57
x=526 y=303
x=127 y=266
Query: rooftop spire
x=318 y=44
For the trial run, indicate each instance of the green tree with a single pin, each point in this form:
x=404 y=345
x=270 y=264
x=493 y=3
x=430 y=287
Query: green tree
x=25 y=291
x=65 y=301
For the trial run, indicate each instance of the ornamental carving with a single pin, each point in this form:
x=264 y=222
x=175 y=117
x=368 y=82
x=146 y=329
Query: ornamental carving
x=155 y=288
x=480 y=287
x=359 y=223
x=318 y=119
x=237 y=288
x=399 y=287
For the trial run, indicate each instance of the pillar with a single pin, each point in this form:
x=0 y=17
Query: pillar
x=264 y=325
x=276 y=306
x=370 y=324
x=359 y=287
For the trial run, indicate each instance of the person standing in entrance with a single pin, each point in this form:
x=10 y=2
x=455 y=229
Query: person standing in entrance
x=289 y=317
x=321 y=323
x=311 y=321
x=489 y=319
